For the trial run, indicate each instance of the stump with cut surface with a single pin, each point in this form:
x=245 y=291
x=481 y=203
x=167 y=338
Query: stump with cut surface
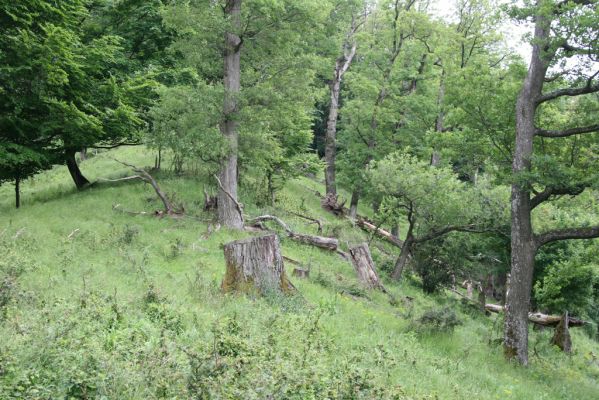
x=364 y=266
x=255 y=265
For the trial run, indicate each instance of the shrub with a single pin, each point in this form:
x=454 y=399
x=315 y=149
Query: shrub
x=438 y=320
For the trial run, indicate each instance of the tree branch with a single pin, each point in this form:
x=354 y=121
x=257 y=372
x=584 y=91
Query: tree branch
x=588 y=88
x=567 y=132
x=237 y=205
x=590 y=232
x=554 y=191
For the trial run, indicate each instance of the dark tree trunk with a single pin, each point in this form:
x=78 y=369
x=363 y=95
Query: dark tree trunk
x=523 y=246
x=255 y=265
x=80 y=180
x=406 y=247
x=17 y=191
x=353 y=204
x=228 y=214
x=330 y=150
x=402 y=260
x=561 y=337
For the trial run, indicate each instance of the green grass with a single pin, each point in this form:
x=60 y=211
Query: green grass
x=111 y=305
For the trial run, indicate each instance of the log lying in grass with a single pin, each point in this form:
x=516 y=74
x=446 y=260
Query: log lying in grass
x=255 y=265
x=539 y=318
x=319 y=241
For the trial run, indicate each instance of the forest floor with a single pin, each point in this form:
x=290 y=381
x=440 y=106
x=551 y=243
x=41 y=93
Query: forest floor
x=99 y=303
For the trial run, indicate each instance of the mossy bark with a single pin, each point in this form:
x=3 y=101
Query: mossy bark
x=255 y=266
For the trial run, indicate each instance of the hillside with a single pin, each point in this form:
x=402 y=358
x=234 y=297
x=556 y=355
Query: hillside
x=99 y=303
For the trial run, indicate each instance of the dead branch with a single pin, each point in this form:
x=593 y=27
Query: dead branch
x=319 y=241
x=146 y=177
x=311 y=219
x=237 y=205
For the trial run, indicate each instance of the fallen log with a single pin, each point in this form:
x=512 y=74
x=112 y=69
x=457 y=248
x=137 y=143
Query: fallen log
x=539 y=318
x=255 y=265
x=370 y=227
x=322 y=242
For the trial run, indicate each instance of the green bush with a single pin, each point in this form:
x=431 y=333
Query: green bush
x=442 y=320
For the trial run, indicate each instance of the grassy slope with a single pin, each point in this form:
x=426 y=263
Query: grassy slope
x=55 y=320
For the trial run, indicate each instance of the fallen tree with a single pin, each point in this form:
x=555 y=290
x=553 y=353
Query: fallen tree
x=539 y=318
x=327 y=243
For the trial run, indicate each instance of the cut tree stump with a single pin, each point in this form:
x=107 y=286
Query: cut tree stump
x=364 y=266
x=561 y=337
x=255 y=265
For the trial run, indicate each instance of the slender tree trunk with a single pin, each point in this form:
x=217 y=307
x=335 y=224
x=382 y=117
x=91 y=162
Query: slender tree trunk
x=523 y=246
x=436 y=156
x=330 y=150
x=80 y=180
x=17 y=191
x=227 y=209
x=353 y=204
x=403 y=258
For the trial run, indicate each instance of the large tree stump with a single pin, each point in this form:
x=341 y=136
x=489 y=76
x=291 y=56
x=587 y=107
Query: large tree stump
x=561 y=337
x=364 y=266
x=255 y=265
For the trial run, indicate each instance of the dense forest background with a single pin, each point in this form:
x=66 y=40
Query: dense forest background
x=468 y=170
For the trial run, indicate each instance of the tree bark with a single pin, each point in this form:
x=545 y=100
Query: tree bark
x=80 y=180
x=403 y=258
x=330 y=152
x=353 y=204
x=364 y=266
x=523 y=246
x=561 y=337
x=17 y=191
x=227 y=208
x=255 y=266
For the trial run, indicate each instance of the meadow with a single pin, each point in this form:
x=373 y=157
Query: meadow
x=98 y=303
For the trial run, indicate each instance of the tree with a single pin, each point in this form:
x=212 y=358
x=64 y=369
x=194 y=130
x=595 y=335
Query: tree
x=562 y=30
x=63 y=92
x=265 y=66
x=358 y=13
x=433 y=201
x=382 y=110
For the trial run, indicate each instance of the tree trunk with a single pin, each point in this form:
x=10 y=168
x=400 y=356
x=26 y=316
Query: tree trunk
x=523 y=246
x=255 y=265
x=436 y=156
x=80 y=180
x=330 y=150
x=353 y=204
x=403 y=258
x=227 y=208
x=17 y=191
x=561 y=337
x=364 y=266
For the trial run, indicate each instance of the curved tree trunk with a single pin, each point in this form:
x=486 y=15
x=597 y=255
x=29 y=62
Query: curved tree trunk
x=228 y=214
x=80 y=180
x=255 y=265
